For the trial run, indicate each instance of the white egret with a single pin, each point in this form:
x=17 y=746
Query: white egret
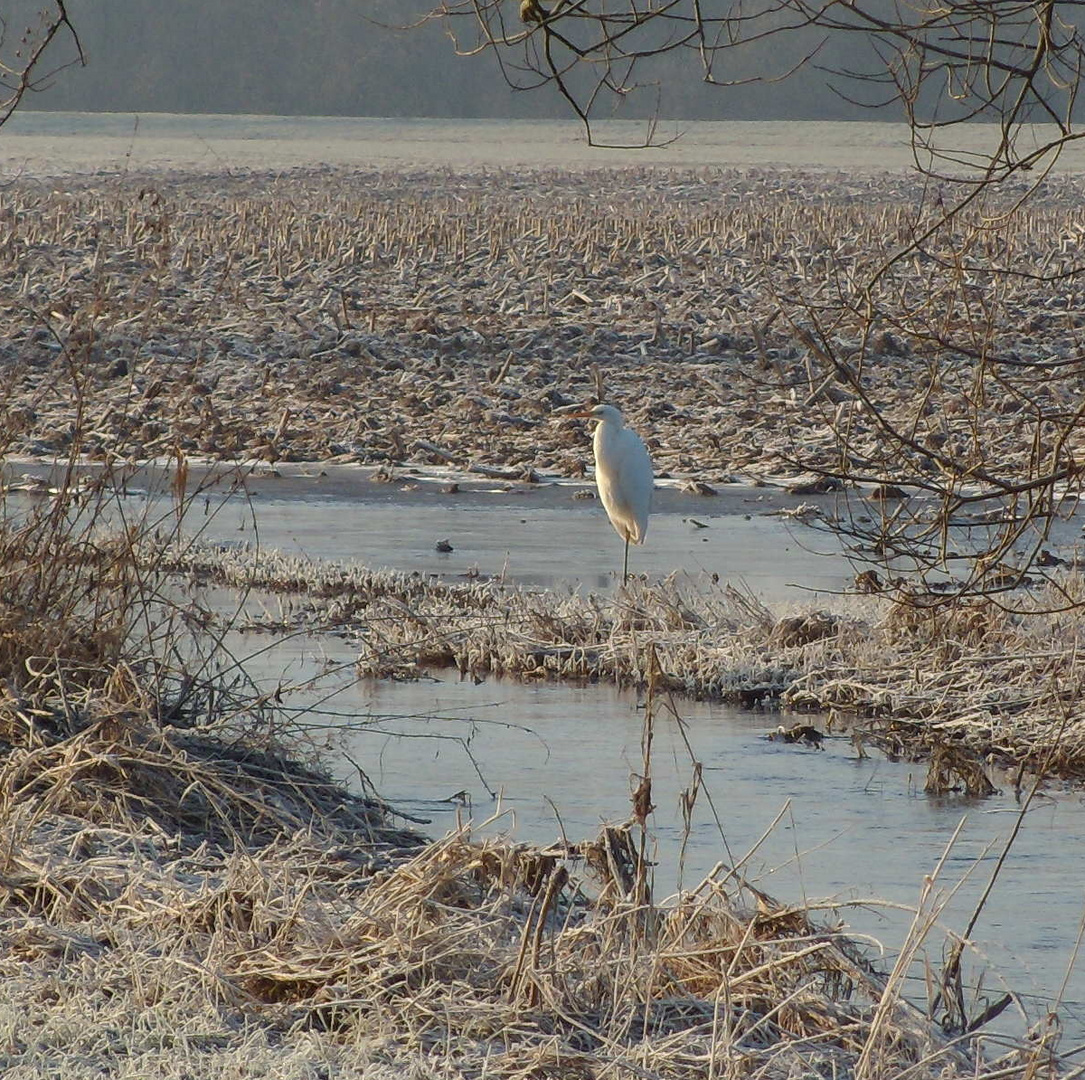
x=623 y=475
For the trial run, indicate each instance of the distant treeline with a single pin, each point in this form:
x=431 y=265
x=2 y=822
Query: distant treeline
x=333 y=57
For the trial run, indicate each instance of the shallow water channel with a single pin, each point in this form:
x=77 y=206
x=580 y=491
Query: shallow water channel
x=551 y=760
x=541 y=761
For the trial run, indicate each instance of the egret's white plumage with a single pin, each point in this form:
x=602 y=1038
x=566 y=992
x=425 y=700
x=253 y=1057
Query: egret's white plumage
x=623 y=474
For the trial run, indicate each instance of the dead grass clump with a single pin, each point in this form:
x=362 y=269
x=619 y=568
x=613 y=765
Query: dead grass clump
x=993 y=682
x=197 y=790
x=802 y=629
x=712 y=642
x=949 y=629
x=454 y=953
x=64 y=599
x=952 y=769
x=90 y=633
x=112 y=706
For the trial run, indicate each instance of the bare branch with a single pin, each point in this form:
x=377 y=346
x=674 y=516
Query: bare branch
x=21 y=71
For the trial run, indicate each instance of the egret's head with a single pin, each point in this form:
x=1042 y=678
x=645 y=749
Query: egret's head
x=604 y=413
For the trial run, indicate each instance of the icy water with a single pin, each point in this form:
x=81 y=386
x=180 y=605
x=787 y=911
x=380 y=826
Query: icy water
x=543 y=761
x=64 y=142
x=539 y=762
x=536 y=534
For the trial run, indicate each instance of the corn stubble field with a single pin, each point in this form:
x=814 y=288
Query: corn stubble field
x=180 y=896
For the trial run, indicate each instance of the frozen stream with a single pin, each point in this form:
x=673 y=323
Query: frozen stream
x=562 y=759
x=551 y=759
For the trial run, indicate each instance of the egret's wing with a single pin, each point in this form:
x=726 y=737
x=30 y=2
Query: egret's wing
x=635 y=481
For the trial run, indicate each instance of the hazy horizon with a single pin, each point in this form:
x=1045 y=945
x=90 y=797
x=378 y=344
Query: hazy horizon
x=231 y=57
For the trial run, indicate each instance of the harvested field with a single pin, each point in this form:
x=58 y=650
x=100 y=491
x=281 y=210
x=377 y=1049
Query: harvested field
x=418 y=316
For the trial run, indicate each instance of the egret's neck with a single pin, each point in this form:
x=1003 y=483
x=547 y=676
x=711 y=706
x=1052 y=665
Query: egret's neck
x=605 y=433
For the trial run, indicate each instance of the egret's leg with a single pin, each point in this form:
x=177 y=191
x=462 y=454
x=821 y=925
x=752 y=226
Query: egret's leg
x=625 y=563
